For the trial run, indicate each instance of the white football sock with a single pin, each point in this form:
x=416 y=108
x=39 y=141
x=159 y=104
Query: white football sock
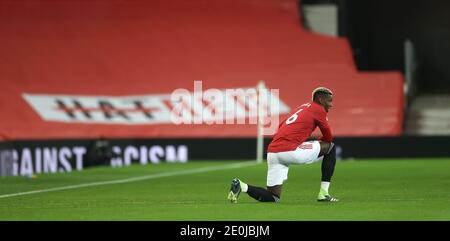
x=325 y=185
x=244 y=187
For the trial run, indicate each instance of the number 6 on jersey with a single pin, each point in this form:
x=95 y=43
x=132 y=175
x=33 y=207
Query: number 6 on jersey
x=294 y=116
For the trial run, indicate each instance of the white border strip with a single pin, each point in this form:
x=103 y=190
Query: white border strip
x=133 y=179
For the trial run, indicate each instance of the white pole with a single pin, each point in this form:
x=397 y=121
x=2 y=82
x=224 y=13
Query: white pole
x=261 y=90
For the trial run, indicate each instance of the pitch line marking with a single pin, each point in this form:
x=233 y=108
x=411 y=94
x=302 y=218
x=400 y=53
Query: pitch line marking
x=133 y=179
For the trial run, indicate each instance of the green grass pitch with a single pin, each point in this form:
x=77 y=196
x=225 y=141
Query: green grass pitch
x=403 y=189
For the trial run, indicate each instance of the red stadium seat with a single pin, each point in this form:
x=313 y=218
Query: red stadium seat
x=132 y=48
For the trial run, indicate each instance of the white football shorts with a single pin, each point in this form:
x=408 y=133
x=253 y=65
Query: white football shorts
x=278 y=163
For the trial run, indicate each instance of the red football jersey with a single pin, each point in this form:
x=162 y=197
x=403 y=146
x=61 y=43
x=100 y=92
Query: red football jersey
x=298 y=127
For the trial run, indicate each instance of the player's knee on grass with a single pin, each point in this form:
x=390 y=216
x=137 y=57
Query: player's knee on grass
x=262 y=194
x=275 y=190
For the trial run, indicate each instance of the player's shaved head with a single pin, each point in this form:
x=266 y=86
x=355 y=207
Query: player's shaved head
x=320 y=92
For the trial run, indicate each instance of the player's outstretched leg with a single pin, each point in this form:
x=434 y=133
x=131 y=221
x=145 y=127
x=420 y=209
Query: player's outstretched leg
x=328 y=164
x=258 y=193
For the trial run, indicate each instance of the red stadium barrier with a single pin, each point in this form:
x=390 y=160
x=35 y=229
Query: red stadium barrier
x=143 y=48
